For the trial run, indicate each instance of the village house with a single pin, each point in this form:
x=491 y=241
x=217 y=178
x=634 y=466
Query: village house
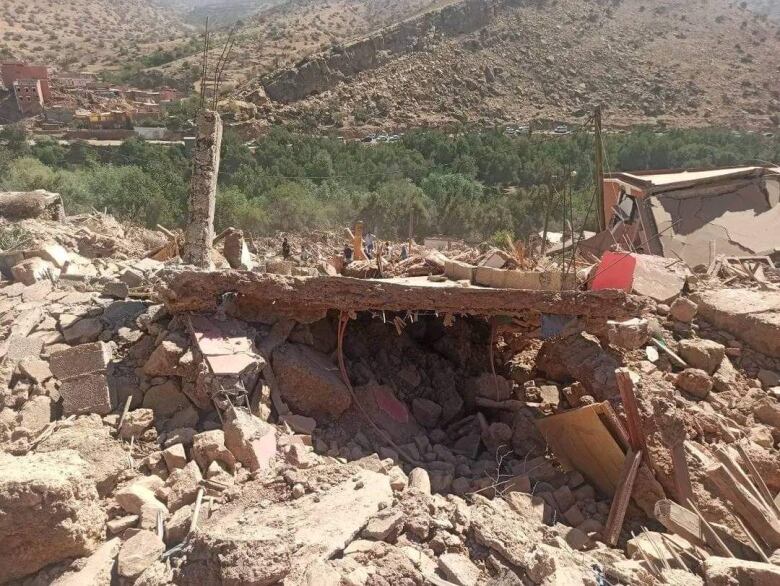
x=12 y=71
x=71 y=80
x=29 y=96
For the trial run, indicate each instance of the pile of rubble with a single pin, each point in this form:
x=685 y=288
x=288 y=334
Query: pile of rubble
x=147 y=443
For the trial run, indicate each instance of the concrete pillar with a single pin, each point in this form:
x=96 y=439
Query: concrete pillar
x=199 y=233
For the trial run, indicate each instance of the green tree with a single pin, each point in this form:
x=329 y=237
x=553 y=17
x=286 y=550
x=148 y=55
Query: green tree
x=27 y=174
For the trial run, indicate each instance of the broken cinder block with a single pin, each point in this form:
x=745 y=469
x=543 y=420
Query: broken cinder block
x=88 y=393
x=84 y=388
x=80 y=360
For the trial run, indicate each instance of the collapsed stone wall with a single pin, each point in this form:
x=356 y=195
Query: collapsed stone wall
x=324 y=70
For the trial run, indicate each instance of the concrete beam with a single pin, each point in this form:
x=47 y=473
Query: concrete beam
x=295 y=297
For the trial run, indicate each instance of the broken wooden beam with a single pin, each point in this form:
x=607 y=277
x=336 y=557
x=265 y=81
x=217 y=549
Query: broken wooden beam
x=626 y=387
x=757 y=517
x=312 y=297
x=712 y=536
x=617 y=513
x=679 y=520
x=682 y=476
x=763 y=490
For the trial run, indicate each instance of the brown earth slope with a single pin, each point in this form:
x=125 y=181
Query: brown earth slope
x=684 y=63
x=83 y=33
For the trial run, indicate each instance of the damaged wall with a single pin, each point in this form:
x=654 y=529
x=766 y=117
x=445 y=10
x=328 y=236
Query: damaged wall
x=740 y=218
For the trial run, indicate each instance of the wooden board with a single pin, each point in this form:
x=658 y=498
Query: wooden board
x=581 y=441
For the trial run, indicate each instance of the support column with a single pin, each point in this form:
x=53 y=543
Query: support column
x=199 y=232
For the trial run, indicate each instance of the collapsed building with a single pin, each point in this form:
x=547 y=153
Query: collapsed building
x=693 y=215
x=464 y=419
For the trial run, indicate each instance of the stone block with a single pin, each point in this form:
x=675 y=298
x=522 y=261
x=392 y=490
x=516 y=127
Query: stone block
x=175 y=457
x=134 y=496
x=703 y=354
x=22 y=347
x=251 y=440
x=458 y=271
x=529 y=280
x=52 y=252
x=85 y=330
x=138 y=553
x=309 y=382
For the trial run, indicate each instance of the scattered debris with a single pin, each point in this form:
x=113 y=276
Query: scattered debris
x=458 y=417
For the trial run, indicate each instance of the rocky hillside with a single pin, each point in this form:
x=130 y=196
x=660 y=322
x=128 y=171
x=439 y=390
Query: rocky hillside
x=283 y=33
x=683 y=63
x=84 y=34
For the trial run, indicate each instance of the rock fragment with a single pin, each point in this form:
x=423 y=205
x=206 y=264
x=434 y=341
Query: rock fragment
x=138 y=553
x=459 y=569
x=683 y=309
x=703 y=354
x=210 y=446
x=695 y=381
x=419 y=479
x=251 y=440
x=49 y=511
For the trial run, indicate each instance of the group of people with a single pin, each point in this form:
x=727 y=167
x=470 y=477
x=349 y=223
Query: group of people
x=370 y=245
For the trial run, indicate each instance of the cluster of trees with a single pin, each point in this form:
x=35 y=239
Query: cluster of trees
x=470 y=184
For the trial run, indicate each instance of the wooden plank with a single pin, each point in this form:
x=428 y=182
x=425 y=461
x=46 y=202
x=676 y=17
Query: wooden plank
x=712 y=536
x=757 y=517
x=682 y=476
x=763 y=489
x=633 y=423
x=679 y=520
x=617 y=512
x=581 y=441
x=725 y=459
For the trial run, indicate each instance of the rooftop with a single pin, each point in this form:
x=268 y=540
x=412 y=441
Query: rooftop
x=681 y=178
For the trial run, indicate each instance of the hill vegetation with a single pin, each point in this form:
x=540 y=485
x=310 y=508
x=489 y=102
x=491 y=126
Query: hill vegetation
x=84 y=34
x=466 y=184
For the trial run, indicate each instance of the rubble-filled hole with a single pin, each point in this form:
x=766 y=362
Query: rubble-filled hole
x=426 y=382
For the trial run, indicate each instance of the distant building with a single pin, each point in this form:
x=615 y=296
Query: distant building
x=150 y=132
x=439 y=242
x=111 y=119
x=146 y=96
x=12 y=71
x=29 y=96
x=70 y=80
x=59 y=114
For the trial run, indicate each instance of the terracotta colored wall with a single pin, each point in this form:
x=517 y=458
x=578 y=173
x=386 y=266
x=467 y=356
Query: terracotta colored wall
x=13 y=71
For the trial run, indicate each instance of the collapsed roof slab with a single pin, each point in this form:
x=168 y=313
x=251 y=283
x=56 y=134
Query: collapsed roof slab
x=753 y=316
x=309 y=298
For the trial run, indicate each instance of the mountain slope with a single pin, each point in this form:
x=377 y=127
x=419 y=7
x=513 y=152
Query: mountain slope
x=87 y=34
x=218 y=11
x=283 y=33
x=674 y=61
